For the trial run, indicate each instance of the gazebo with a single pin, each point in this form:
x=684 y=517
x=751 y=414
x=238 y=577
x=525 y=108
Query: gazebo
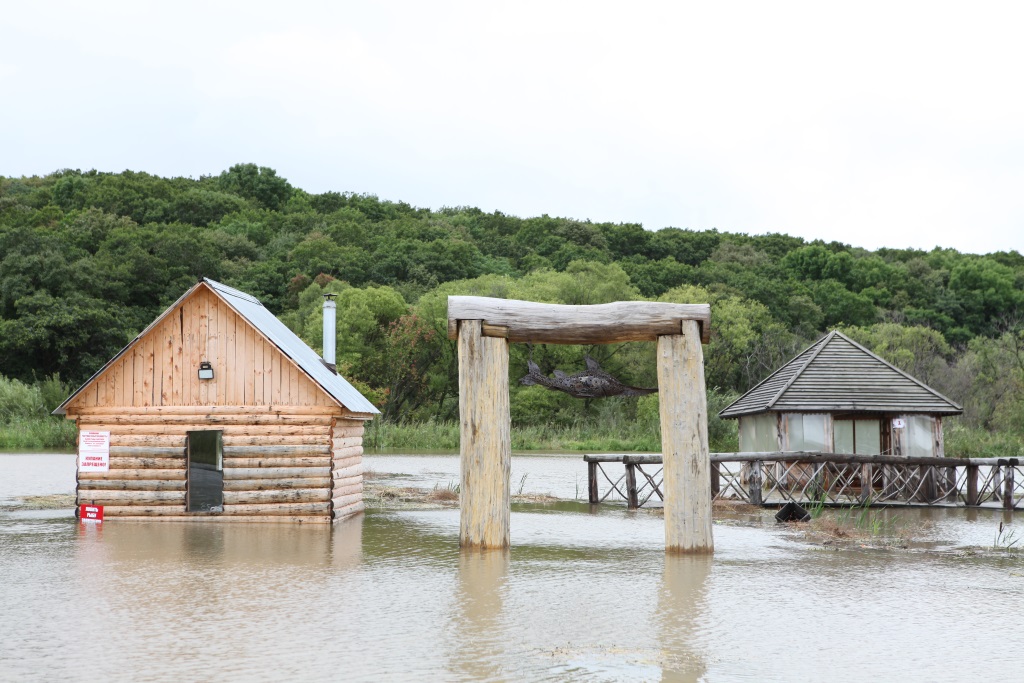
x=838 y=397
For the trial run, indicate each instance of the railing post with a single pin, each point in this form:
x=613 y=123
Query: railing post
x=997 y=481
x=928 y=488
x=866 y=485
x=632 y=501
x=972 y=486
x=818 y=488
x=1008 y=485
x=716 y=484
x=592 y=493
x=754 y=483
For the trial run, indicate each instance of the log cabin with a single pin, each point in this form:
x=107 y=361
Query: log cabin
x=838 y=397
x=218 y=411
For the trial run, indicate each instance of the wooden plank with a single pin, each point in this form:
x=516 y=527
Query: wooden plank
x=293 y=384
x=259 y=354
x=166 y=364
x=275 y=440
x=275 y=393
x=139 y=374
x=623 y=321
x=177 y=364
x=684 y=442
x=313 y=495
x=213 y=353
x=230 y=463
x=248 y=365
x=485 y=438
x=269 y=351
x=231 y=371
x=189 y=363
x=281 y=473
x=203 y=338
x=277 y=484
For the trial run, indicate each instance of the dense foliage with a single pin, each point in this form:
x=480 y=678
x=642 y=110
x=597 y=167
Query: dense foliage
x=89 y=259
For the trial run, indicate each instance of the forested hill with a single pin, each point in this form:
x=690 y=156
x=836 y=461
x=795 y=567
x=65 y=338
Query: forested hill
x=88 y=259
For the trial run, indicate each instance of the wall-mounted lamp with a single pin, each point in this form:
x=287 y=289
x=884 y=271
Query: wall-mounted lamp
x=205 y=370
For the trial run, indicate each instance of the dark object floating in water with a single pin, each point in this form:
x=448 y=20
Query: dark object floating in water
x=591 y=383
x=792 y=512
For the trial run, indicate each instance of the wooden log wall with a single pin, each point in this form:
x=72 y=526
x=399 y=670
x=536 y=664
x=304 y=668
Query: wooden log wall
x=296 y=462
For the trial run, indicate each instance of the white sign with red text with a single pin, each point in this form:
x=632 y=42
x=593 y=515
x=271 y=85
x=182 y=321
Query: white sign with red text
x=93 y=451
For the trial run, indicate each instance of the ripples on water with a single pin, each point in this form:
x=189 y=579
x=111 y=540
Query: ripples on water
x=582 y=595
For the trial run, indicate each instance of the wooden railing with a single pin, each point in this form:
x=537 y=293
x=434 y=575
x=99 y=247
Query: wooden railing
x=822 y=478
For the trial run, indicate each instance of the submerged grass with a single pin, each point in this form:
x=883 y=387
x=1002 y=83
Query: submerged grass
x=583 y=437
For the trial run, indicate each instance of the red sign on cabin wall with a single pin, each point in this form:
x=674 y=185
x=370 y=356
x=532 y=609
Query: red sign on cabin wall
x=90 y=513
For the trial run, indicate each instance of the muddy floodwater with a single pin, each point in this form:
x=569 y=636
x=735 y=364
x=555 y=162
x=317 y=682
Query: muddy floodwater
x=584 y=594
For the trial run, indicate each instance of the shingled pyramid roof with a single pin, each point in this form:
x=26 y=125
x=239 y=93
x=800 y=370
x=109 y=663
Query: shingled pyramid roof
x=838 y=374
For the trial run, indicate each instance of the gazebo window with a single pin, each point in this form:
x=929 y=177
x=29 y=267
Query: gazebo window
x=919 y=439
x=806 y=432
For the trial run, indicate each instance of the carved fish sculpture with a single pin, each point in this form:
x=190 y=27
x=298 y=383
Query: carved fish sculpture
x=592 y=383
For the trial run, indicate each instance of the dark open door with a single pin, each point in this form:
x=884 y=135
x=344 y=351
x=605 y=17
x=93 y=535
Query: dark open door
x=205 y=486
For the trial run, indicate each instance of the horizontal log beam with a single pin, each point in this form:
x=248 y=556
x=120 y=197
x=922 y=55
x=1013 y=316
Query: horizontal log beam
x=208 y=420
x=351 y=489
x=236 y=473
x=89 y=497
x=164 y=440
x=280 y=496
x=344 y=463
x=341 y=501
x=343 y=482
x=147 y=451
x=303 y=450
x=277 y=440
x=132 y=485
x=162 y=473
x=347 y=452
x=228 y=430
x=145 y=463
x=278 y=509
x=348 y=442
x=623 y=321
x=210 y=410
x=250 y=463
x=351 y=471
x=217 y=518
x=277 y=484
x=345 y=432
x=349 y=510
x=143 y=510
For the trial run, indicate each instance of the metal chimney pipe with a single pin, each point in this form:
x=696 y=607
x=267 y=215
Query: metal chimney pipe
x=330 y=329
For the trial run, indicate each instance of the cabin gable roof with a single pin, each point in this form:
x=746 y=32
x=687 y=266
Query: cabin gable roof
x=249 y=309
x=838 y=374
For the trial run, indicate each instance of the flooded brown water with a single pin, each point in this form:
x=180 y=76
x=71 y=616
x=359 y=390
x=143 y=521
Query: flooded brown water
x=584 y=594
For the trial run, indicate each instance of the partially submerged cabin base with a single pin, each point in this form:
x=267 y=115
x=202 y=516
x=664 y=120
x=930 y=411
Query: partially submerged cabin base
x=217 y=411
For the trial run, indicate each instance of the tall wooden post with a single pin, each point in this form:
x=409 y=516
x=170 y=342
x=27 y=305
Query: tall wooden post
x=485 y=440
x=684 y=441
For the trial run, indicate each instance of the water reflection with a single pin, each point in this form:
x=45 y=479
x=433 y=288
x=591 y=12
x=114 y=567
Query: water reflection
x=681 y=603
x=479 y=643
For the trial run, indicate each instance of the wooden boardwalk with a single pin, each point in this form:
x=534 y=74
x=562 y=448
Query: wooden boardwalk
x=831 y=479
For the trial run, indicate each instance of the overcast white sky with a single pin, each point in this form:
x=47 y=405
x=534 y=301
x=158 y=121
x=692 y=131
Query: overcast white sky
x=876 y=124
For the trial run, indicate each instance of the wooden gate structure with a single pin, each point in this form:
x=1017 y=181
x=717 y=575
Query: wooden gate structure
x=485 y=326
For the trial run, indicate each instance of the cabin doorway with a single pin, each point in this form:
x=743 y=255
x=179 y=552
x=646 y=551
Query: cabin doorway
x=204 y=489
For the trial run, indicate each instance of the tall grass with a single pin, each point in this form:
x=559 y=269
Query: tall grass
x=971 y=442
x=25 y=420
